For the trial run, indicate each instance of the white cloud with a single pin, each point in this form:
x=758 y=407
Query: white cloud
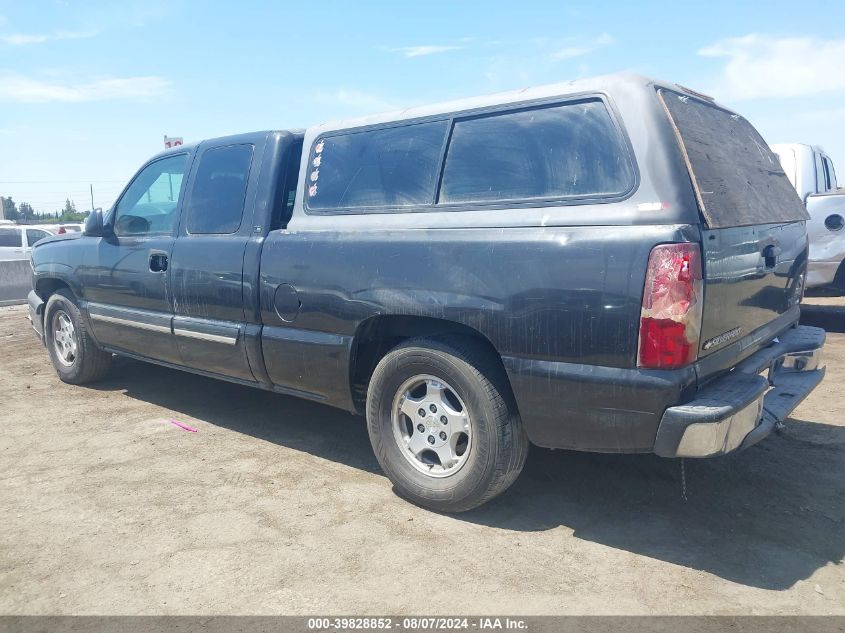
x=760 y=66
x=420 y=51
x=20 y=39
x=570 y=52
x=15 y=87
x=23 y=39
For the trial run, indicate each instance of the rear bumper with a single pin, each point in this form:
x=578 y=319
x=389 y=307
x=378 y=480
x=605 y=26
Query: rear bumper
x=741 y=408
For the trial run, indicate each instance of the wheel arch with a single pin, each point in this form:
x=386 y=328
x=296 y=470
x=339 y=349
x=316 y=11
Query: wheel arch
x=376 y=336
x=46 y=286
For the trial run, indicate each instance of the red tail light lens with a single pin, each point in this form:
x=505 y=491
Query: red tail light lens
x=62 y=230
x=670 y=319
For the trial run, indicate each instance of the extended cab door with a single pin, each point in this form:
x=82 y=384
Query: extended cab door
x=208 y=258
x=126 y=278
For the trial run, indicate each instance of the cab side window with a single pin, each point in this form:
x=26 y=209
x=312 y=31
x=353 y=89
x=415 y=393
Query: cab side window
x=33 y=235
x=283 y=207
x=149 y=205
x=10 y=238
x=217 y=197
x=831 y=174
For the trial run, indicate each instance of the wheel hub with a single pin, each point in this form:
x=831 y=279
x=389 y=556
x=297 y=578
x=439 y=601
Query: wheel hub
x=431 y=426
x=64 y=338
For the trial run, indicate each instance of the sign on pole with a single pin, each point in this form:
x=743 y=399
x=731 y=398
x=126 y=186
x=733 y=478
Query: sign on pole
x=172 y=141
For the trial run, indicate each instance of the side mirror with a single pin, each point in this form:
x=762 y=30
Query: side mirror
x=94 y=226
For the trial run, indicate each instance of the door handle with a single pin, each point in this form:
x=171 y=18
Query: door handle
x=158 y=262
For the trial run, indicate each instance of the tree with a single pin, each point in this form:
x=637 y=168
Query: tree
x=26 y=212
x=10 y=210
x=70 y=207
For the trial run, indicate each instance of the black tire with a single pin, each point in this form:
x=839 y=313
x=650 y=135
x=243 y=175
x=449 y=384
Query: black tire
x=499 y=445
x=90 y=363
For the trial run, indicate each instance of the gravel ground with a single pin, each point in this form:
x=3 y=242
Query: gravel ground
x=277 y=506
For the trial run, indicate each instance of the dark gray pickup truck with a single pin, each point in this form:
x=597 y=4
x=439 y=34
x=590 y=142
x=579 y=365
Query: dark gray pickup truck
x=613 y=264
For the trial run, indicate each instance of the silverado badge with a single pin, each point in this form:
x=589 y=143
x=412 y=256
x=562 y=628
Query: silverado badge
x=722 y=338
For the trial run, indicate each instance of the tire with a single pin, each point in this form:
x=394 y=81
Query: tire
x=76 y=358
x=469 y=385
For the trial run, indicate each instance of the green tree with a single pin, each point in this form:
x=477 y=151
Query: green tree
x=10 y=209
x=26 y=212
x=70 y=207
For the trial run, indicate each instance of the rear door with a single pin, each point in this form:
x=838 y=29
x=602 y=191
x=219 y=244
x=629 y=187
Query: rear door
x=208 y=258
x=754 y=241
x=32 y=236
x=11 y=243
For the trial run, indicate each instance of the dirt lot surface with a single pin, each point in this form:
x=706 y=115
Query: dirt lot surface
x=277 y=505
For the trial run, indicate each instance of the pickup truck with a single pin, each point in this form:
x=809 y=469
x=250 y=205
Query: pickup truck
x=16 y=241
x=811 y=172
x=602 y=265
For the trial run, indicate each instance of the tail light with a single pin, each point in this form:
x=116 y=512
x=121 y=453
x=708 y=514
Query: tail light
x=670 y=318
x=62 y=230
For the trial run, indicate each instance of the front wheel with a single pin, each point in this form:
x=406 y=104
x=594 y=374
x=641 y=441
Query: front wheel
x=76 y=358
x=443 y=425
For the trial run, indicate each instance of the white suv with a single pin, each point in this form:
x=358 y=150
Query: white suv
x=16 y=241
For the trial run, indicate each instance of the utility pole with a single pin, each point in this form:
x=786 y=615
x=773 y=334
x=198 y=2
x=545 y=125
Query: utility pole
x=2 y=208
x=92 y=198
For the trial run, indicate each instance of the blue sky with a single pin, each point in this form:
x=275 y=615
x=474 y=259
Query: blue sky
x=88 y=89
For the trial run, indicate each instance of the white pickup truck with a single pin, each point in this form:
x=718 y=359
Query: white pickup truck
x=811 y=172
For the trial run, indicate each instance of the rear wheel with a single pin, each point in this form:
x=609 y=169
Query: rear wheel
x=443 y=425
x=76 y=358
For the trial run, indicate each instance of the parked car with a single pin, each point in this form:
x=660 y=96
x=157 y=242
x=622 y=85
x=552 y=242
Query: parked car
x=16 y=241
x=602 y=265
x=811 y=172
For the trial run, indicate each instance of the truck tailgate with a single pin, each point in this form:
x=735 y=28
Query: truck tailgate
x=743 y=288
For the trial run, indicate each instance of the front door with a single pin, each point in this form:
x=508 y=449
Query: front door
x=208 y=258
x=127 y=281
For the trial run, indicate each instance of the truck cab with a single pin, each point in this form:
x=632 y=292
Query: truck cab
x=811 y=172
x=172 y=275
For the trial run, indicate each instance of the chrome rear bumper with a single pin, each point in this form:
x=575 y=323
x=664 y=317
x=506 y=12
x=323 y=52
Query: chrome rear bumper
x=741 y=408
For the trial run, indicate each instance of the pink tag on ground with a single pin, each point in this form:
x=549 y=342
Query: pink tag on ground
x=183 y=426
